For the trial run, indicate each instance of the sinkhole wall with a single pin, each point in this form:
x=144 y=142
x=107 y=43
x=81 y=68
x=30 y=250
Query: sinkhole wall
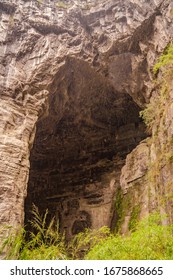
x=73 y=80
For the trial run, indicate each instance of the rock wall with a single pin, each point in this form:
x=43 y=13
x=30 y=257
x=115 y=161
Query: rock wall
x=73 y=78
x=148 y=169
x=80 y=147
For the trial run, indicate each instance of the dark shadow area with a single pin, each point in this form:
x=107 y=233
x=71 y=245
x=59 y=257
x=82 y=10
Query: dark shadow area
x=80 y=147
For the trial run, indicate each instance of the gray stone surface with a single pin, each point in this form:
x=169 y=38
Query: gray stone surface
x=72 y=77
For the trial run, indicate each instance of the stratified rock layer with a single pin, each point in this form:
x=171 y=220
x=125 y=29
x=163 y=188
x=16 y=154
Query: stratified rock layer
x=80 y=147
x=147 y=177
x=76 y=75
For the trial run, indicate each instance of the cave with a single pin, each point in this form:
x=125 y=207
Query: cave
x=80 y=146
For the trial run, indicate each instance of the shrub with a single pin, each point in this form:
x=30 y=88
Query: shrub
x=165 y=59
x=85 y=241
x=148 y=115
x=150 y=241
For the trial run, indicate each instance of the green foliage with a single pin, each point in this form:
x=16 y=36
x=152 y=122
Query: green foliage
x=119 y=208
x=85 y=241
x=165 y=59
x=12 y=244
x=156 y=116
x=154 y=110
x=148 y=115
x=45 y=241
x=134 y=218
x=151 y=241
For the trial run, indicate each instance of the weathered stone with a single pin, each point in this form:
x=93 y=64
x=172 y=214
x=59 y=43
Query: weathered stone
x=146 y=179
x=136 y=165
x=73 y=79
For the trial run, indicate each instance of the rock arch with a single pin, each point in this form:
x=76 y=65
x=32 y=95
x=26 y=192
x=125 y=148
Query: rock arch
x=44 y=49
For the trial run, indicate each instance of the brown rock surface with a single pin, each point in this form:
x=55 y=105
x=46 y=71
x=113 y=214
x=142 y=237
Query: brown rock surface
x=72 y=81
x=147 y=177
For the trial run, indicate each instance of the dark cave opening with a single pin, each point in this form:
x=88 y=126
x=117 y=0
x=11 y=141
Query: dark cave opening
x=79 y=149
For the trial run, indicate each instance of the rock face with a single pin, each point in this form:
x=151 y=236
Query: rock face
x=146 y=178
x=80 y=147
x=74 y=76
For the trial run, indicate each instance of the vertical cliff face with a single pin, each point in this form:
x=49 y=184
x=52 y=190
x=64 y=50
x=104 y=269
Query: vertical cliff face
x=148 y=169
x=73 y=80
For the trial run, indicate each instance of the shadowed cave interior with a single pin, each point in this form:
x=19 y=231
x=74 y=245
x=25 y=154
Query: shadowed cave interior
x=80 y=147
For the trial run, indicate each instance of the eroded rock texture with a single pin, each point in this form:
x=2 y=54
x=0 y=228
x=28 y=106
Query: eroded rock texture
x=146 y=179
x=80 y=147
x=73 y=80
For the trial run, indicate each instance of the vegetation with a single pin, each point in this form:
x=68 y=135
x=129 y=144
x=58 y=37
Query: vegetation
x=134 y=218
x=148 y=116
x=151 y=240
x=154 y=111
x=44 y=242
x=119 y=203
x=165 y=59
x=85 y=241
x=147 y=239
x=158 y=119
x=155 y=116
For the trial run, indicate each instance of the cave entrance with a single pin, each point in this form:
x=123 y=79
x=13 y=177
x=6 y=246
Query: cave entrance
x=80 y=147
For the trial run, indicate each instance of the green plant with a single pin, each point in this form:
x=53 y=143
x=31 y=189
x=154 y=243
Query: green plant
x=165 y=59
x=44 y=242
x=12 y=244
x=148 y=116
x=134 y=218
x=150 y=241
x=119 y=208
x=85 y=241
x=156 y=116
x=155 y=109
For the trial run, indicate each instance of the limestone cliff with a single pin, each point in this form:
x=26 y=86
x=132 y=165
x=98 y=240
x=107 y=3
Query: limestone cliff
x=146 y=179
x=74 y=76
